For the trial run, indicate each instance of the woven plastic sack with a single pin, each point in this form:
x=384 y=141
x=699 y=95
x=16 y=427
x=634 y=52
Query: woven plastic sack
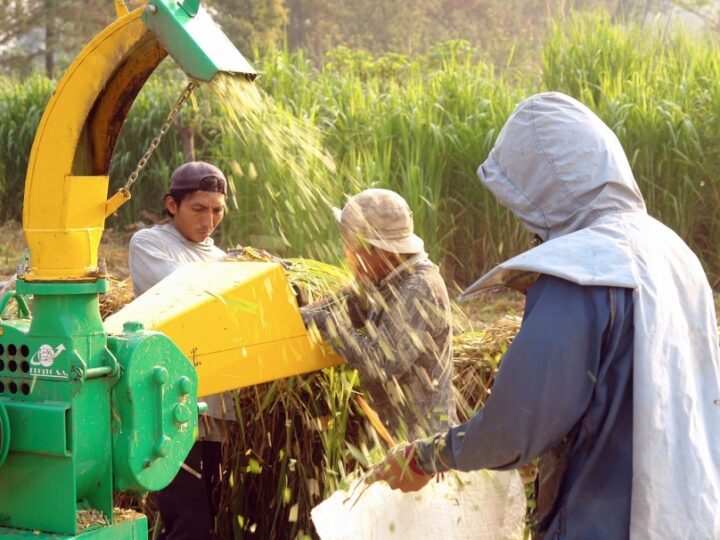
x=476 y=505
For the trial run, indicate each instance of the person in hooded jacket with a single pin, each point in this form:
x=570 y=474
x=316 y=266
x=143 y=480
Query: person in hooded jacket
x=613 y=380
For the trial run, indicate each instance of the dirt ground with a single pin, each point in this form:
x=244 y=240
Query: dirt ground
x=11 y=248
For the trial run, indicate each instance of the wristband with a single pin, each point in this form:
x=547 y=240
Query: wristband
x=410 y=459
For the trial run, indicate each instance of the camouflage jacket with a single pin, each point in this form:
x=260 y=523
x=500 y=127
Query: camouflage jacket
x=398 y=336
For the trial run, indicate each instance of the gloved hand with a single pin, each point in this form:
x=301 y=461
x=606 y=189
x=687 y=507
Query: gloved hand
x=401 y=471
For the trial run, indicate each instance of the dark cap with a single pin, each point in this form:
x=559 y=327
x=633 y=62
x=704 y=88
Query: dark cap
x=198 y=175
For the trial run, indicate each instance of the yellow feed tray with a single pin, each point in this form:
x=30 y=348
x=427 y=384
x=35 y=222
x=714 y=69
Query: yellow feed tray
x=237 y=322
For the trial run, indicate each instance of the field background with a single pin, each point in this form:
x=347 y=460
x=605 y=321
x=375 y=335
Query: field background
x=326 y=121
x=419 y=125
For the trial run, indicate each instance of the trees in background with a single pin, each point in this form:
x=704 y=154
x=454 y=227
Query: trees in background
x=250 y=23
x=707 y=11
x=499 y=28
x=44 y=35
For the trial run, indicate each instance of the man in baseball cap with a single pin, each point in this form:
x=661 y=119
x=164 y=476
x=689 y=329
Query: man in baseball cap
x=393 y=323
x=203 y=188
x=195 y=204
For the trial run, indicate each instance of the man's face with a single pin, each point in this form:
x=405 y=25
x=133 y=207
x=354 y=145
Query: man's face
x=366 y=263
x=198 y=215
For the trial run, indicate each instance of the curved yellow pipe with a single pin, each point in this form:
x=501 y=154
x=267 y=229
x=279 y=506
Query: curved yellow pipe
x=120 y=8
x=67 y=184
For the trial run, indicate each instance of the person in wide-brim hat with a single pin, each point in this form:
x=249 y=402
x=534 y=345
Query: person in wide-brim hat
x=383 y=219
x=393 y=324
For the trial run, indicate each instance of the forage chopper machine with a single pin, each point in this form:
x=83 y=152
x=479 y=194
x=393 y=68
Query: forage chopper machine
x=88 y=408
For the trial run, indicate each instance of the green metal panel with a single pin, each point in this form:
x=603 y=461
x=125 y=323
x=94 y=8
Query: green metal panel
x=4 y=434
x=133 y=529
x=194 y=41
x=92 y=445
x=60 y=288
x=52 y=439
x=38 y=492
x=155 y=405
x=60 y=454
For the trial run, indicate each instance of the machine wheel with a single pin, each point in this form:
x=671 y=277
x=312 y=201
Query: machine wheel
x=4 y=433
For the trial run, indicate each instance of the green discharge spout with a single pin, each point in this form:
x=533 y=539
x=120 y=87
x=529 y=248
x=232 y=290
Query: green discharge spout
x=194 y=41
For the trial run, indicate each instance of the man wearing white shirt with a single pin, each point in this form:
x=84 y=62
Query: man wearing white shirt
x=196 y=205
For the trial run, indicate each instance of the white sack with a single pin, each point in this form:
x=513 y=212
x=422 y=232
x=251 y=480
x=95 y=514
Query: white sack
x=481 y=505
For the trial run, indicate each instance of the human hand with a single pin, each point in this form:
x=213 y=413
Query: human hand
x=314 y=317
x=401 y=471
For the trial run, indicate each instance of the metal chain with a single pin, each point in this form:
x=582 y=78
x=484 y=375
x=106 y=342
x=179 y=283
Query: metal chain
x=156 y=140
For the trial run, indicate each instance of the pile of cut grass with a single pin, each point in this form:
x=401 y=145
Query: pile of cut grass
x=299 y=439
x=302 y=438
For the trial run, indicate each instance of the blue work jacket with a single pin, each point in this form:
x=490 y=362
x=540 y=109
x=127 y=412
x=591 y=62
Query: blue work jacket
x=563 y=393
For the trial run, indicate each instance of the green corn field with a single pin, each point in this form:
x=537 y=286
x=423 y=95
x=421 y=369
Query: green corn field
x=420 y=126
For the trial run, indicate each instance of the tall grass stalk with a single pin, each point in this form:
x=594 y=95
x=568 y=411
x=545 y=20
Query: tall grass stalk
x=659 y=90
x=291 y=452
x=21 y=107
x=418 y=126
x=309 y=136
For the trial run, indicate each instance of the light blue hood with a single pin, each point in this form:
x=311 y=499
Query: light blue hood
x=558 y=167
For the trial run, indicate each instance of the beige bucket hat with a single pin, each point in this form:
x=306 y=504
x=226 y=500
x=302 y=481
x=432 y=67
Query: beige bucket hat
x=382 y=218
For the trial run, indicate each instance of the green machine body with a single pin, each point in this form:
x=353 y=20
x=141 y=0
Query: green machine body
x=83 y=414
